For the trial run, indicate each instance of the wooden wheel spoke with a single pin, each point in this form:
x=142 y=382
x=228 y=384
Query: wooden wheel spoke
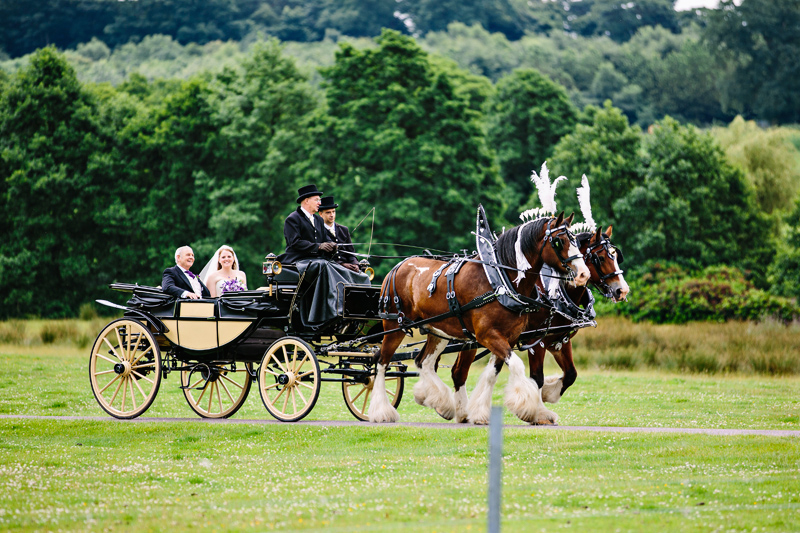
x=277 y=361
x=124 y=393
x=268 y=371
x=286 y=400
x=146 y=365
x=204 y=389
x=121 y=345
x=210 y=397
x=101 y=391
x=363 y=389
x=144 y=395
x=301 y=376
x=113 y=349
x=148 y=350
x=300 y=365
x=275 y=399
x=101 y=356
x=268 y=387
x=229 y=380
x=142 y=376
x=219 y=396
x=196 y=383
x=299 y=393
x=366 y=398
x=103 y=372
x=133 y=396
x=230 y=396
x=136 y=347
x=306 y=385
x=294 y=402
x=111 y=402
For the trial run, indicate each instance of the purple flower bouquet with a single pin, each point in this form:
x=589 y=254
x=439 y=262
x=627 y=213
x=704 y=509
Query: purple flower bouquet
x=232 y=285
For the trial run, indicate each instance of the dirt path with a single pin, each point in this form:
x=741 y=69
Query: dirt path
x=437 y=425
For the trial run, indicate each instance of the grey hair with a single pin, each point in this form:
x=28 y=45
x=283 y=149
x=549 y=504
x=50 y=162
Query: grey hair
x=178 y=251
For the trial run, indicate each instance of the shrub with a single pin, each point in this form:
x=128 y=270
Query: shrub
x=669 y=294
x=12 y=332
x=88 y=311
x=58 y=332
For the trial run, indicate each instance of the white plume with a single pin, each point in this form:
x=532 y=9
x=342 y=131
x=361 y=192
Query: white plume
x=588 y=223
x=547 y=191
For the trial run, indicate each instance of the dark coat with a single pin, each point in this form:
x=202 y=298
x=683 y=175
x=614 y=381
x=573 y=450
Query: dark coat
x=303 y=238
x=344 y=241
x=174 y=282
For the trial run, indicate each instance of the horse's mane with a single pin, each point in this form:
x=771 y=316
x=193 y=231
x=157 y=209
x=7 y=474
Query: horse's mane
x=506 y=242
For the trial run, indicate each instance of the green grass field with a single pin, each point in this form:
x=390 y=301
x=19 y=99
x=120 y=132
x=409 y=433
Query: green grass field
x=98 y=475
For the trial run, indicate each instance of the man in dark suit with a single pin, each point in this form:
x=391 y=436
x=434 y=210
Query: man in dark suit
x=304 y=230
x=340 y=234
x=179 y=281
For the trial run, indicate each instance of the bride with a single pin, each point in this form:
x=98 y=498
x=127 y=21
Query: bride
x=221 y=274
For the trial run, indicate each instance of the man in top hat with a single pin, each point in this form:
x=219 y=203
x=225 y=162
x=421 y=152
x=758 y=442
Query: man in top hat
x=304 y=231
x=340 y=234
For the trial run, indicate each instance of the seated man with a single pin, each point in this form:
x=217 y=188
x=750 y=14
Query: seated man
x=340 y=234
x=304 y=230
x=179 y=281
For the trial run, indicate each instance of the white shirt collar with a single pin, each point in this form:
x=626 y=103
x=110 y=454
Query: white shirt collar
x=309 y=216
x=331 y=228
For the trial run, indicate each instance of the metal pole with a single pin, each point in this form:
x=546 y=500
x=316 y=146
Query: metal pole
x=495 y=467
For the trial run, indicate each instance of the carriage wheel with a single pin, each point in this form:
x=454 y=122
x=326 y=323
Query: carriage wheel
x=216 y=390
x=357 y=392
x=289 y=379
x=125 y=368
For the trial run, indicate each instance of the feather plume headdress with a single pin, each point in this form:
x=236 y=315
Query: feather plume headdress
x=547 y=196
x=588 y=224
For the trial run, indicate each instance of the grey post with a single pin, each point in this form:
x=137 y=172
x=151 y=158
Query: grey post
x=495 y=467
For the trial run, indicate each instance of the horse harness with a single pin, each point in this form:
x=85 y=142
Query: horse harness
x=612 y=251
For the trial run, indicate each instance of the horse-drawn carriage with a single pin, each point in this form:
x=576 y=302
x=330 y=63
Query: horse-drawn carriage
x=220 y=346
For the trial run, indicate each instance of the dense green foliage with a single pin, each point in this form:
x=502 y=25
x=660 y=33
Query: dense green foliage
x=399 y=137
x=670 y=294
x=204 y=142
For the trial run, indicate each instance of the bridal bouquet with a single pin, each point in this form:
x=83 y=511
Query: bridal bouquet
x=232 y=285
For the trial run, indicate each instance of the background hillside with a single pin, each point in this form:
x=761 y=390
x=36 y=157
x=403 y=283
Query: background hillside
x=130 y=128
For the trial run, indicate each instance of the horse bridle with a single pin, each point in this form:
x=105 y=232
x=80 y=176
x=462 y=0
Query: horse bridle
x=597 y=262
x=551 y=236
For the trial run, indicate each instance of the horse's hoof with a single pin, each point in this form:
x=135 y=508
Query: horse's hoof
x=544 y=422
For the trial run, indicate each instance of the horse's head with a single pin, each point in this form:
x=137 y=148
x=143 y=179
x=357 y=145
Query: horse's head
x=559 y=250
x=603 y=260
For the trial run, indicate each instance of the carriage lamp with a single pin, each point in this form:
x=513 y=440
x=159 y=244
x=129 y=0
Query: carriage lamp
x=271 y=266
x=363 y=265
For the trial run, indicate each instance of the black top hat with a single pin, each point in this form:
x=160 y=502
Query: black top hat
x=307 y=191
x=327 y=203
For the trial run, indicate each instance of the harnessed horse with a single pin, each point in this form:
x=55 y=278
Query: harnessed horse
x=467 y=308
x=603 y=259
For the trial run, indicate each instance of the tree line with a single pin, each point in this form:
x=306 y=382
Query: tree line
x=701 y=66
x=102 y=183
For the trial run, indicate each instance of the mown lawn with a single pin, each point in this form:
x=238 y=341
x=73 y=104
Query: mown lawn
x=98 y=475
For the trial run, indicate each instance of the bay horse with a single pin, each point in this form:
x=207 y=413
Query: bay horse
x=603 y=259
x=529 y=246
x=605 y=274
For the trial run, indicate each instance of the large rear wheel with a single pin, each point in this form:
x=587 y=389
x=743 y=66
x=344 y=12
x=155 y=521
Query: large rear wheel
x=216 y=390
x=125 y=368
x=289 y=379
